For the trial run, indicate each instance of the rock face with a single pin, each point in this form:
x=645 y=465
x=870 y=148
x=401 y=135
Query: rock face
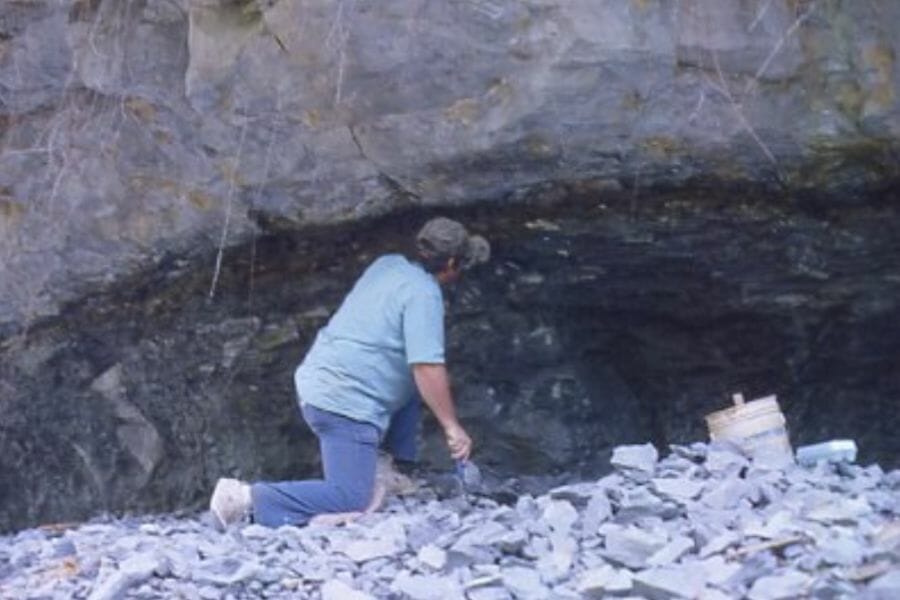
x=608 y=321
x=188 y=188
x=133 y=132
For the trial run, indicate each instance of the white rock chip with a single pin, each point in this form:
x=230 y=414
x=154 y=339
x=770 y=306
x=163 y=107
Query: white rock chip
x=427 y=587
x=133 y=571
x=604 y=581
x=560 y=515
x=641 y=457
x=841 y=510
x=677 y=489
x=432 y=556
x=671 y=552
x=336 y=589
x=525 y=583
x=885 y=587
x=363 y=550
x=790 y=584
x=669 y=582
x=632 y=547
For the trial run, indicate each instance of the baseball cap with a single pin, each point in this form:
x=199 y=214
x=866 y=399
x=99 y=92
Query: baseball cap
x=443 y=237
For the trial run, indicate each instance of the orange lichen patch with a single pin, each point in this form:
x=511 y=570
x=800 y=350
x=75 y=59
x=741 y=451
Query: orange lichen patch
x=58 y=528
x=141 y=227
x=70 y=567
x=311 y=118
x=231 y=174
x=7 y=121
x=465 y=110
x=142 y=184
x=66 y=569
x=200 y=200
x=641 y=5
x=660 y=145
x=538 y=146
x=11 y=211
x=163 y=137
x=500 y=91
x=523 y=23
x=140 y=108
x=83 y=10
x=880 y=58
x=849 y=98
x=829 y=157
x=723 y=166
x=632 y=100
x=433 y=186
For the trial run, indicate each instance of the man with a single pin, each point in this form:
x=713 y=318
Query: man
x=384 y=344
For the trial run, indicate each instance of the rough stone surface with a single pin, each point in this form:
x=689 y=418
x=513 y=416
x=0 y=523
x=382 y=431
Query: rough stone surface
x=138 y=133
x=790 y=584
x=670 y=582
x=884 y=587
x=548 y=376
x=640 y=458
x=188 y=187
x=336 y=589
x=184 y=556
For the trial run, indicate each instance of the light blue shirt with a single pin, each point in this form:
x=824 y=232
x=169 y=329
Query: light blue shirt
x=359 y=364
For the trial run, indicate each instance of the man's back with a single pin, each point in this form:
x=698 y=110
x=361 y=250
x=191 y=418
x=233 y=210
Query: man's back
x=359 y=364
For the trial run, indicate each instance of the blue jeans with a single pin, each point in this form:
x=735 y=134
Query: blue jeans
x=349 y=453
x=400 y=439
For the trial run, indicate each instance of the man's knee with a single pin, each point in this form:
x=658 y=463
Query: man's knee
x=354 y=497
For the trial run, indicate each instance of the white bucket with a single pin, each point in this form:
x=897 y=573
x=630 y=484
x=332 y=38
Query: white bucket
x=757 y=426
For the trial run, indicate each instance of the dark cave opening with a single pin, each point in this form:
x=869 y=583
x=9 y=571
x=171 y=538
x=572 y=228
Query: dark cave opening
x=595 y=324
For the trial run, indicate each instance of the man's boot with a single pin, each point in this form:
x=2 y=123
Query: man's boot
x=230 y=501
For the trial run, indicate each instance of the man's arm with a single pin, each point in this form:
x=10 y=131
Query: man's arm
x=434 y=387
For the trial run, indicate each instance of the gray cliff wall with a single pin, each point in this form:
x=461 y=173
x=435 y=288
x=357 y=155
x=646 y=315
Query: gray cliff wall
x=608 y=321
x=155 y=151
x=135 y=131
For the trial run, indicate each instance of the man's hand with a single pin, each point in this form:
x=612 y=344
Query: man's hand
x=434 y=387
x=458 y=441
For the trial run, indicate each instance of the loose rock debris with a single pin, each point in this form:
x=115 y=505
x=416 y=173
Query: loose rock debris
x=703 y=522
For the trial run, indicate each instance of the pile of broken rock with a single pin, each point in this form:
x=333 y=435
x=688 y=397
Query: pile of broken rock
x=704 y=522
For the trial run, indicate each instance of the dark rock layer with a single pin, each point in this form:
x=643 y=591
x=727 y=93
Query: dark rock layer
x=603 y=319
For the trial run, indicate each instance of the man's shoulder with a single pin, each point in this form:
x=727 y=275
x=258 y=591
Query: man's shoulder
x=398 y=266
x=394 y=261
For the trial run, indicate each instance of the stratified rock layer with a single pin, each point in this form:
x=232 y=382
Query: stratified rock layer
x=609 y=321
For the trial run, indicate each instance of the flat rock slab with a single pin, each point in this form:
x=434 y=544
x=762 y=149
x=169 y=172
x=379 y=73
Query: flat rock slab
x=670 y=582
x=678 y=489
x=885 y=587
x=336 y=589
x=632 y=547
x=782 y=586
x=640 y=458
x=605 y=581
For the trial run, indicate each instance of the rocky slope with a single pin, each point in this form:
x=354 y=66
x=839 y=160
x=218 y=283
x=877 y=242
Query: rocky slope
x=703 y=523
